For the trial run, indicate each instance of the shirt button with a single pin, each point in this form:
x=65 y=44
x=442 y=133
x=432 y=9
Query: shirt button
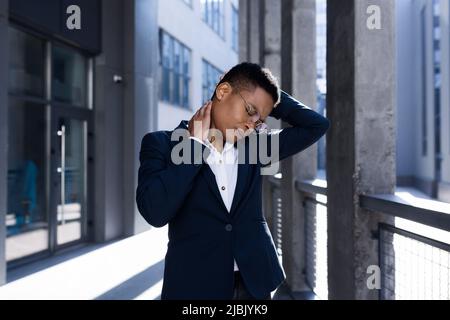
x=228 y=227
x=220 y=161
x=223 y=188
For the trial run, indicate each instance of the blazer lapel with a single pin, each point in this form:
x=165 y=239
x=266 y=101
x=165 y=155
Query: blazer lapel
x=210 y=179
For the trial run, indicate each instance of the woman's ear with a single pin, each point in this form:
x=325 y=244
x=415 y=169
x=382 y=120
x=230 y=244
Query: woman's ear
x=222 y=90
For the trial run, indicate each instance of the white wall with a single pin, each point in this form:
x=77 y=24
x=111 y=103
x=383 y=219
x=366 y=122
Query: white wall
x=410 y=161
x=186 y=25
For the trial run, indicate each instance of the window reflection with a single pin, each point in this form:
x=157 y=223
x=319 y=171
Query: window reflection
x=26 y=220
x=69 y=77
x=26 y=64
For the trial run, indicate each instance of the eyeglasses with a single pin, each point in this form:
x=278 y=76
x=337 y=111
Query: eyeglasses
x=260 y=126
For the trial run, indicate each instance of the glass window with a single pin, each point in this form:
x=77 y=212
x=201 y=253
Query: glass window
x=26 y=217
x=26 y=64
x=185 y=74
x=213 y=15
x=234 y=29
x=210 y=77
x=69 y=77
x=175 y=71
x=165 y=88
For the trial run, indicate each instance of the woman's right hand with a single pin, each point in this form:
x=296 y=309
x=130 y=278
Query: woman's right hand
x=200 y=123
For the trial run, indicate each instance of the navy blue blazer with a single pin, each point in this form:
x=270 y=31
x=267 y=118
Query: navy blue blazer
x=203 y=236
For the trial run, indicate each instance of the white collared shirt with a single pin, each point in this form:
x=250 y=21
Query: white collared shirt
x=224 y=165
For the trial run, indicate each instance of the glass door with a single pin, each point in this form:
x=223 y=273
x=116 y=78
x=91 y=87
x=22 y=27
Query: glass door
x=69 y=194
x=50 y=95
x=27 y=219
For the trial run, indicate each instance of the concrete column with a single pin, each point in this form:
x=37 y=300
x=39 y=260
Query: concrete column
x=251 y=34
x=280 y=35
x=361 y=140
x=244 y=24
x=140 y=99
x=299 y=79
x=4 y=51
x=270 y=57
x=254 y=43
x=109 y=105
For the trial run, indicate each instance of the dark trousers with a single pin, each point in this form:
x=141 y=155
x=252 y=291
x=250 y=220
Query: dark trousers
x=240 y=291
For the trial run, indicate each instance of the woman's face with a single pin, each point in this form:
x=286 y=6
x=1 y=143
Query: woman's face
x=236 y=112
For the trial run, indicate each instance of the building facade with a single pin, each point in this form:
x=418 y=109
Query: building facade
x=81 y=82
x=198 y=41
x=423 y=87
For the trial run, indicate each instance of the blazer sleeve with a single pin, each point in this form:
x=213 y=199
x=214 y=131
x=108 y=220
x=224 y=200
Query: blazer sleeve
x=162 y=185
x=307 y=127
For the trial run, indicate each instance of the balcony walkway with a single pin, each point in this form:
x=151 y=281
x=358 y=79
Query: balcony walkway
x=127 y=269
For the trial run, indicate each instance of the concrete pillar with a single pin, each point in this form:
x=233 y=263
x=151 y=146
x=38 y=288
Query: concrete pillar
x=140 y=96
x=257 y=45
x=280 y=35
x=260 y=33
x=251 y=34
x=361 y=140
x=271 y=17
x=243 y=30
x=109 y=105
x=299 y=79
x=270 y=57
x=4 y=51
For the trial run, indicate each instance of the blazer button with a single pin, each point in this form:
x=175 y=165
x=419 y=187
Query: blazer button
x=228 y=227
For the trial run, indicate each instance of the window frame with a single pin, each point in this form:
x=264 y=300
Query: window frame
x=174 y=69
x=213 y=14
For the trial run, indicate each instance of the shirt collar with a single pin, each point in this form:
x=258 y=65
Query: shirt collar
x=227 y=147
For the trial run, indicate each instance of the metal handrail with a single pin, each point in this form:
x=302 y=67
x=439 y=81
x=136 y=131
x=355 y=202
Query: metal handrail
x=395 y=206
x=308 y=186
x=389 y=204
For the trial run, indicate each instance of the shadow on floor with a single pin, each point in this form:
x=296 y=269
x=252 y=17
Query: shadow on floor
x=136 y=285
x=284 y=293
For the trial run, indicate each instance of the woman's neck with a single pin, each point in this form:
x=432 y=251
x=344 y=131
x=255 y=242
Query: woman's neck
x=217 y=143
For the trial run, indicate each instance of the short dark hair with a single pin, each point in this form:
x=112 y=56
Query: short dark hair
x=248 y=76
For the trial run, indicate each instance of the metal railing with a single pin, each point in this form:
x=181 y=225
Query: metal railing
x=276 y=216
x=316 y=257
x=412 y=265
